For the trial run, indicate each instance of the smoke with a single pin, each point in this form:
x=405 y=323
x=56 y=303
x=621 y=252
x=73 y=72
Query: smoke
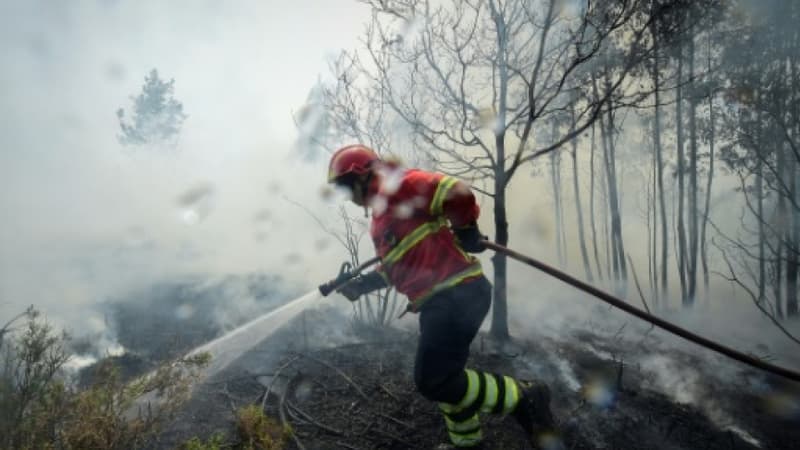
x=86 y=221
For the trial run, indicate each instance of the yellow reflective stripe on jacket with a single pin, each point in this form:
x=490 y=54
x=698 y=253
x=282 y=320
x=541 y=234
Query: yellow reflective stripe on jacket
x=412 y=239
x=512 y=395
x=444 y=186
x=490 y=397
x=473 y=270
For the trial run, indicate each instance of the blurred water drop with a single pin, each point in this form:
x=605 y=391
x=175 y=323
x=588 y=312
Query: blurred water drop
x=550 y=441
x=293 y=258
x=487 y=119
x=262 y=215
x=312 y=125
x=327 y=193
x=391 y=179
x=303 y=390
x=599 y=392
x=336 y=194
x=264 y=223
x=379 y=203
x=184 y=311
x=782 y=404
x=115 y=71
x=196 y=203
x=404 y=210
x=322 y=243
x=190 y=217
x=410 y=31
x=568 y=9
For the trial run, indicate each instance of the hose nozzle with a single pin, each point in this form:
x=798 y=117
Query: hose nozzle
x=345 y=274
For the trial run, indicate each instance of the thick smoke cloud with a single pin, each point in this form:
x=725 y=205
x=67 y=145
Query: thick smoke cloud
x=86 y=220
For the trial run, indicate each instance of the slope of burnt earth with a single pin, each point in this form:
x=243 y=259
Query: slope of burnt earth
x=351 y=388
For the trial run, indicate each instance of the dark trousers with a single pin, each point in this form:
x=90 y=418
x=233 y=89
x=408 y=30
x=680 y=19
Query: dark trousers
x=448 y=323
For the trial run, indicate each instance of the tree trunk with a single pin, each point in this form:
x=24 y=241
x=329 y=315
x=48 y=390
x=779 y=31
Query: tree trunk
x=707 y=207
x=781 y=229
x=791 y=243
x=762 y=236
x=693 y=169
x=608 y=237
x=793 y=263
x=499 y=329
x=592 y=220
x=611 y=246
x=614 y=202
x=555 y=171
x=577 y=191
x=610 y=271
x=681 y=170
x=652 y=231
x=660 y=166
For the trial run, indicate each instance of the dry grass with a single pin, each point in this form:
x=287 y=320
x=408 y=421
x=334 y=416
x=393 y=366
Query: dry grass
x=41 y=409
x=259 y=432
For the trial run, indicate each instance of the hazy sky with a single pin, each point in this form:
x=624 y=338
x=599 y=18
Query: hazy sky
x=83 y=216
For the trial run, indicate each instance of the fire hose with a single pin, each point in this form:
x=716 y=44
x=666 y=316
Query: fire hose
x=661 y=323
x=346 y=274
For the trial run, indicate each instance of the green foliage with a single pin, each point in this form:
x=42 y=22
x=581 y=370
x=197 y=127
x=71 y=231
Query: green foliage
x=32 y=397
x=157 y=116
x=256 y=431
x=215 y=442
x=40 y=409
x=259 y=432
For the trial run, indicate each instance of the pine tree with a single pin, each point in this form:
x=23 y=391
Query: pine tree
x=157 y=117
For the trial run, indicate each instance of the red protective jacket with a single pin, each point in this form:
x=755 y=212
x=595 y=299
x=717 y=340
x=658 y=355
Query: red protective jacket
x=410 y=230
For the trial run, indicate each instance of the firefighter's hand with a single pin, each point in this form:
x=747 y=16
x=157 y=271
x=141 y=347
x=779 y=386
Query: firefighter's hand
x=470 y=238
x=361 y=285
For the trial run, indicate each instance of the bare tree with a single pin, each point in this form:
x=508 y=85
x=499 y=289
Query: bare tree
x=476 y=80
x=763 y=128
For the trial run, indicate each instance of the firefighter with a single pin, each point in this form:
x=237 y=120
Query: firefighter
x=424 y=227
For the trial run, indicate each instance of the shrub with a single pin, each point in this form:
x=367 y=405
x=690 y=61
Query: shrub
x=41 y=409
x=259 y=432
x=215 y=442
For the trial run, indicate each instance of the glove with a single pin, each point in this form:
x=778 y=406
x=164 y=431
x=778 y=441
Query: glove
x=361 y=285
x=470 y=238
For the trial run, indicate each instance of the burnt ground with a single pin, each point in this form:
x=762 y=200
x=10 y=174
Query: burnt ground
x=353 y=389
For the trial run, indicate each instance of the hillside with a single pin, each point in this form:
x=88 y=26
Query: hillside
x=344 y=386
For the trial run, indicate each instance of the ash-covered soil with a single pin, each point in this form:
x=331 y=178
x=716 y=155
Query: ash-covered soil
x=344 y=386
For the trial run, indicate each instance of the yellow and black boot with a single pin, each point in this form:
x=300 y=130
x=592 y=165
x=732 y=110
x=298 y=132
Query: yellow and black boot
x=534 y=415
x=486 y=393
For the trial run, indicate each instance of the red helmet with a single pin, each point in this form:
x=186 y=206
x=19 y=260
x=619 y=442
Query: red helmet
x=352 y=159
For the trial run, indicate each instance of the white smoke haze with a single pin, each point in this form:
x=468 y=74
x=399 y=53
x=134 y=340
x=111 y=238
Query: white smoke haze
x=86 y=219
x=89 y=223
